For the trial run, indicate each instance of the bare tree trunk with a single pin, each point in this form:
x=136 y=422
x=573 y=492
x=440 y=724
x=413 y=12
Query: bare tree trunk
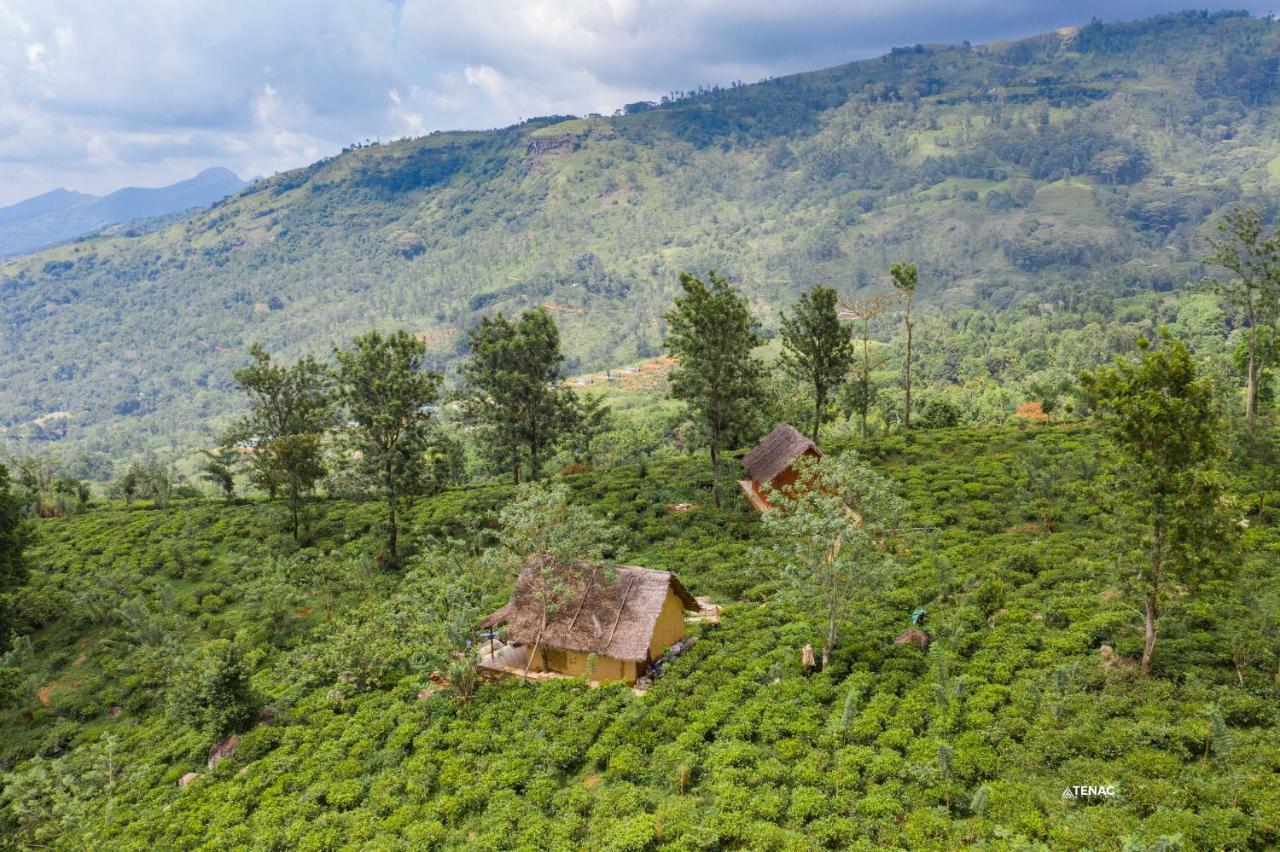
x=865 y=402
x=1151 y=611
x=817 y=415
x=1149 y=634
x=715 y=468
x=537 y=643
x=1251 y=402
x=392 y=532
x=906 y=417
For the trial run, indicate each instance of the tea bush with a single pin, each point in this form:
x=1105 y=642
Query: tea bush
x=970 y=742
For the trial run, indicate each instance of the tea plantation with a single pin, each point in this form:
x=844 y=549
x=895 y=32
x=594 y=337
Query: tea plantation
x=734 y=747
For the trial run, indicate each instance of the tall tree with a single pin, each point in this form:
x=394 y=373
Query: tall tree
x=386 y=392
x=219 y=469
x=1162 y=420
x=863 y=311
x=290 y=409
x=1253 y=259
x=514 y=390
x=830 y=534
x=13 y=568
x=541 y=523
x=905 y=278
x=817 y=348
x=593 y=417
x=712 y=333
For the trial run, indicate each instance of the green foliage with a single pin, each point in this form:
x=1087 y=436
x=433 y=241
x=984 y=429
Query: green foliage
x=969 y=743
x=712 y=335
x=13 y=567
x=1095 y=172
x=513 y=390
x=386 y=394
x=210 y=690
x=1163 y=419
x=219 y=469
x=817 y=348
x=829 y=532
x=1253 y=258
x=290 y=409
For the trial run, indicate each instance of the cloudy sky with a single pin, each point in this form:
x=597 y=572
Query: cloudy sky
x=98 y=94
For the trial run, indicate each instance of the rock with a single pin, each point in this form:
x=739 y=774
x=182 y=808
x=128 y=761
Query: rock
x=806 y=657
x=1110 y=660
x=187 y=779
x=223 y=749
x=914 y=637
x=115 y=712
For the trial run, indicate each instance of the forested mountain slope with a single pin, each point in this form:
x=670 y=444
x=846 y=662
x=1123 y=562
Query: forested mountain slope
x=1020 y=174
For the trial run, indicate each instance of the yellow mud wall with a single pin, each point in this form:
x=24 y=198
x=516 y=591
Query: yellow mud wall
x=669 y=627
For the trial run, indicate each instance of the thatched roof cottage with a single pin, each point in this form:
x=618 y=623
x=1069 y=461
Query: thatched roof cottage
x=610 y=622
x=772 y=463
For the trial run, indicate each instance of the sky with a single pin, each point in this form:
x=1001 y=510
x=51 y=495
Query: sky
x=100 y=94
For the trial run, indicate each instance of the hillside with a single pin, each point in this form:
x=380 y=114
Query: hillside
x=733 y=747
x=62 y=215
x=1028 y=176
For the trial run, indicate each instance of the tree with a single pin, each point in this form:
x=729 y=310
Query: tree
x=711 y=337
x=513 y=389
x=148 y=479
x=387 y=393
x=592 y=418
x=290 y=408
x=830 y=532
x=540 y=523
x=1254 y=260
x=817 y=347
x=1162 y=420
x=864 y=311
x=218 y=468
x=13 y=568
x=210 y=690
x=905 y=279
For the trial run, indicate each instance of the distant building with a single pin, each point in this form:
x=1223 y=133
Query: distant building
x=612 y=624
x=772 y=463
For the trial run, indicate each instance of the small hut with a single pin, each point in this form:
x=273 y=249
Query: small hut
x=772 y=463
x=610 y=623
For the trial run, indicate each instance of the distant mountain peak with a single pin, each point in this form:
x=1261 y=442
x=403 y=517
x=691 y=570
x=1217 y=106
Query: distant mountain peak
x=62 y=214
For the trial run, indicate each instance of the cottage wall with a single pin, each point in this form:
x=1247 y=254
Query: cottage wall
x=575 y=663
x=785 y=480
x=669 y=628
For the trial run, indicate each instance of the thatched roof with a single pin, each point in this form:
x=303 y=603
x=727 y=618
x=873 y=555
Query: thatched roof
x=777 y=452
x=609 y=610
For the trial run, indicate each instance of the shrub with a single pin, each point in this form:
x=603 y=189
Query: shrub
x=210 y=690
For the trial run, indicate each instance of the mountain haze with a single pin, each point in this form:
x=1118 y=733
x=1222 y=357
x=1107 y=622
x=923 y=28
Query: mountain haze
x=62 y=214
x=1020 y=176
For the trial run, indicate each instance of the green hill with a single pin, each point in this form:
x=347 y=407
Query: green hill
x=733 y=747
x=1018 y=174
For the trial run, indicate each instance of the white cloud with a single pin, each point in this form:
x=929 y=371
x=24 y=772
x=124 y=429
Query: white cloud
x=97 y=95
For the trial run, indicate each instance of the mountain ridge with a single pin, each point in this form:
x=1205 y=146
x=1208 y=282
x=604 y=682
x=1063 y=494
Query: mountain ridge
x=1017 y=175
x=62 y=214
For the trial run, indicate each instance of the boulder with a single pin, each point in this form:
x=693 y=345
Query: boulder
x=914 y=637
x=187 y=779
x=223 y=749
x=1111 y=660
